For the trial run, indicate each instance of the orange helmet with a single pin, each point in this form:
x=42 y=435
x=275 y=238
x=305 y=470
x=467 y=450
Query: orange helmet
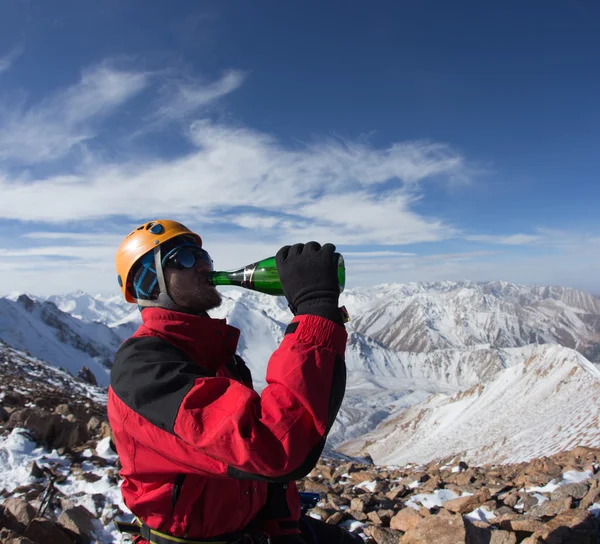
x=142 y=240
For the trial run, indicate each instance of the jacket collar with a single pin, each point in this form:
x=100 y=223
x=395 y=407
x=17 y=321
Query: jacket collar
x=209 y=342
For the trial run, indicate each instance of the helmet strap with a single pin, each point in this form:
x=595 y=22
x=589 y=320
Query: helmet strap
x=163 y=300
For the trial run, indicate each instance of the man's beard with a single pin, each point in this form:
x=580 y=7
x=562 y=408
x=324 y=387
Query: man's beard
x=201 y=299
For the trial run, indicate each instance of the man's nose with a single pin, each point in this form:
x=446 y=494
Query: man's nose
x=202 y=265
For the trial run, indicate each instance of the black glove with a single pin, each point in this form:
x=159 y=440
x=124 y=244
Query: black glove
x=309 y=279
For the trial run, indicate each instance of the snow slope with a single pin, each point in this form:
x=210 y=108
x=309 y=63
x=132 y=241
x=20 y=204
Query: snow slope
x=547 y=403
x=45 y=332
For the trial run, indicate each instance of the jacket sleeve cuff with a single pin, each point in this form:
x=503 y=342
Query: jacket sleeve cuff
x=318 y=330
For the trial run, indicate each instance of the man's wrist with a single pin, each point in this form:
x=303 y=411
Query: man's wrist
x=322 y=307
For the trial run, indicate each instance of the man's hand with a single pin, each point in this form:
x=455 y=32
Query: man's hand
x=309 y=279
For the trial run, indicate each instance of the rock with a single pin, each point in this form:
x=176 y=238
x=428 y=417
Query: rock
x=550 y=508
x=112 y=511
x=346 y=468
x=12 y=398
x=591 y=497
x=69 y=434
x=522 y=525
x=358 y=516
x=20 y=510
x=90 y=477
x=397 y=492
x=18 y=417
x=385 y=515
x=577 y=491
x=323 y=513
x=528 y=501
x=87 y=376
x=382 y=535
x=10 y=537
x=434 y=482
x=363 y=475
x=78 y=521
x=34 y=470
x=63 y=409
x=424 y=512
x=462 y=478
x=43 y=402
x=482 y=533
x=511 y=499
x=334 y=519
x=441 y=530
x=336 y=500
x=462 y=505
x=4 y=415
x=374 y=518
x=406 y=520
x=315 y=487
x=42 y=425
x=360 y=504
x=44 y=530
x=569 y=527
x=106 y=431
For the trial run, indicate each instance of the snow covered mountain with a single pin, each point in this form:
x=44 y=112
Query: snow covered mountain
x=112 y=311
x=547 y=402
x=406 y=342
x=422 y=317
x=42 y=330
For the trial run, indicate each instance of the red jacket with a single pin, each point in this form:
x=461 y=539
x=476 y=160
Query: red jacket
x=202 y=453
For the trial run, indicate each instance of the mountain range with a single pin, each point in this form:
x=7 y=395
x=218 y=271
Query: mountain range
x=424 y=352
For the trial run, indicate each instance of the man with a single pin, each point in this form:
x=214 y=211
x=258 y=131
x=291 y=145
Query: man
x=204 y=457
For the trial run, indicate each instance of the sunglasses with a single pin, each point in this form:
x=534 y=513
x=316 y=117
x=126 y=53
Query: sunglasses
x=186 y=256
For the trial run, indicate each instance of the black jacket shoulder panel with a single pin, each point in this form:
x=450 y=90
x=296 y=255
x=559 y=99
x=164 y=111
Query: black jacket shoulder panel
x=152 y=377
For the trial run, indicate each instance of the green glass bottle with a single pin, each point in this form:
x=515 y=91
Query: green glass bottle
x=262 y=276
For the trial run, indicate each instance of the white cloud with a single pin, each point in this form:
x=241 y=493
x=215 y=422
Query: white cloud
x=50 y=129
x=6 y=61
x=182 y=98
x=325 y=190
x=509 y=240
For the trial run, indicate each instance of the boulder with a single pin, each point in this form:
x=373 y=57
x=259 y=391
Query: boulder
x=34 y=470
x=397 y=492
x=462 y=505
x=20 y=510
x=12 y=398
x=591 y=497
x=381 y=535
x=79 y=522
x=63 y=409
x=550 y=508
x=568 y=527
x=522 y=525
x=315 y=487
x=44 y=530
x=374 y=518
x=576 y=491
x=335 y=518
x=87 y=376
x=441 y=530
x=406 y=520
x=43 y=425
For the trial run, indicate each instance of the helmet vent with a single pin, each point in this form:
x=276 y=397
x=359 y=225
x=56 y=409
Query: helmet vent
x=155 y=228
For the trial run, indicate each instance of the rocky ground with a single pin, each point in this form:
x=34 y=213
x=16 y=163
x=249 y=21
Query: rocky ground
x=60 y=480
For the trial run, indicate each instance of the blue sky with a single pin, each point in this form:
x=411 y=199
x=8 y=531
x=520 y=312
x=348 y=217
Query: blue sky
x=429 y=140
